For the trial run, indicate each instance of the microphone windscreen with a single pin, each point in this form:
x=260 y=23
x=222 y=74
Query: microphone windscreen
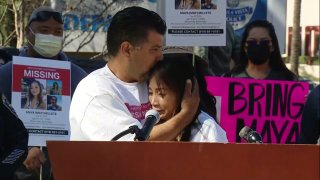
x=154 y=113
x=244 y=131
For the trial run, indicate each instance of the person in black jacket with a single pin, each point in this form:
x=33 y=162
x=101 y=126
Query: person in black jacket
x=13 y=140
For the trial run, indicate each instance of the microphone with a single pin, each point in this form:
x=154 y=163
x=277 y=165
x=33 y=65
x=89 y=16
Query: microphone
x=250 y=135
x=152 y=117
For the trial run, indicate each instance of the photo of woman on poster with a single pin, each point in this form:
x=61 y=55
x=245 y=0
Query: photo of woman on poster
x=34 y=96
x=187 y=4
x=54 y=87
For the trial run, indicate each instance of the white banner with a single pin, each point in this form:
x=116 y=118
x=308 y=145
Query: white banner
x=196 y=23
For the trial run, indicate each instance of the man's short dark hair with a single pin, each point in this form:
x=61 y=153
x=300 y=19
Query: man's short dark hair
x=132 y=24
x=53 y=97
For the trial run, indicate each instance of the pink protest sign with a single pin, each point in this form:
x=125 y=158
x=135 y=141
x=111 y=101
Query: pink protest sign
x=272 y=108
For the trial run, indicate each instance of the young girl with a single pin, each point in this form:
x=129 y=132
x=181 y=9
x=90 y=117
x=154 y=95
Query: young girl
x=166 y=87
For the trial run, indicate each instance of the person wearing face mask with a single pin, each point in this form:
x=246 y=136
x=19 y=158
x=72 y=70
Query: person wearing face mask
x=260 y=56
x=44 y=33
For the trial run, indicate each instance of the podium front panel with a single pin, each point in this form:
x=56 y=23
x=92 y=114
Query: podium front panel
x=182 y=161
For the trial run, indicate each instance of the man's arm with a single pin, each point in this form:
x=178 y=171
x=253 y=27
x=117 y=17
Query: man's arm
x=169 y=130
x=104 y=117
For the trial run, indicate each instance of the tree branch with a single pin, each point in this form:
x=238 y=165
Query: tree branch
x=7 y=41
x=89 y=25
x=4 y=13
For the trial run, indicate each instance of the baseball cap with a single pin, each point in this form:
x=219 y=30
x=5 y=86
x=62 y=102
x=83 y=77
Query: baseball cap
x=44 y=13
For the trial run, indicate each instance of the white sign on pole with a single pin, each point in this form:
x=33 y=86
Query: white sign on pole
x=195 y=23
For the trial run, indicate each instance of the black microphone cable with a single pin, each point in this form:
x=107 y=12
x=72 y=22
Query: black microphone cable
x=132 y=130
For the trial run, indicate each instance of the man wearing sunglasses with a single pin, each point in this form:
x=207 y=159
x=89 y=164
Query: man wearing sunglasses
x=44 y=34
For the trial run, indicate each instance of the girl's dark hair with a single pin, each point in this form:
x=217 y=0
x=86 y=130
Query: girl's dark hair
x=55 y=85
x=174 y=70
x=275 y=62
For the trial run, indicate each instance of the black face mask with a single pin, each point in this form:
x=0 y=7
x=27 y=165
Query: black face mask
x=258 y=53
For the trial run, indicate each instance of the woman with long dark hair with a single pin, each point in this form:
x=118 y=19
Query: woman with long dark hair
x=34 y=98
x=260 y=56
x=166 y=89
x=55 y=90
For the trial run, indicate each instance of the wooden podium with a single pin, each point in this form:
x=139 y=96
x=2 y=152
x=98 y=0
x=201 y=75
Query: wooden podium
x=182 y=161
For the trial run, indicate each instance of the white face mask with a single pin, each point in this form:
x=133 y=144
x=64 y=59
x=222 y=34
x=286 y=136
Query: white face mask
x=47 y=45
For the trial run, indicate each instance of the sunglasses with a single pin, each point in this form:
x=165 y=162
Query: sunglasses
x=261 y=42
x=45 y=15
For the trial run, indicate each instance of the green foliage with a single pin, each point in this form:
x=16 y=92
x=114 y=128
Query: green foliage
x=8 y=34
x=303 y=59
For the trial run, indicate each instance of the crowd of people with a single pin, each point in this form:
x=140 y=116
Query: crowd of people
x=139 y=76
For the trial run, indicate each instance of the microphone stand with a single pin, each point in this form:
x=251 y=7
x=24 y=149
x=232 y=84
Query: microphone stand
x=132 y=130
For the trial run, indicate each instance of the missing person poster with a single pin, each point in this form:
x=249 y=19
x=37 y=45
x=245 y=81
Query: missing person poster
x=272 y=108
x=195 y=22
x=41 y=98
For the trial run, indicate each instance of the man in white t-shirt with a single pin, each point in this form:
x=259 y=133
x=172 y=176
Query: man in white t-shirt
x=115 y=97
